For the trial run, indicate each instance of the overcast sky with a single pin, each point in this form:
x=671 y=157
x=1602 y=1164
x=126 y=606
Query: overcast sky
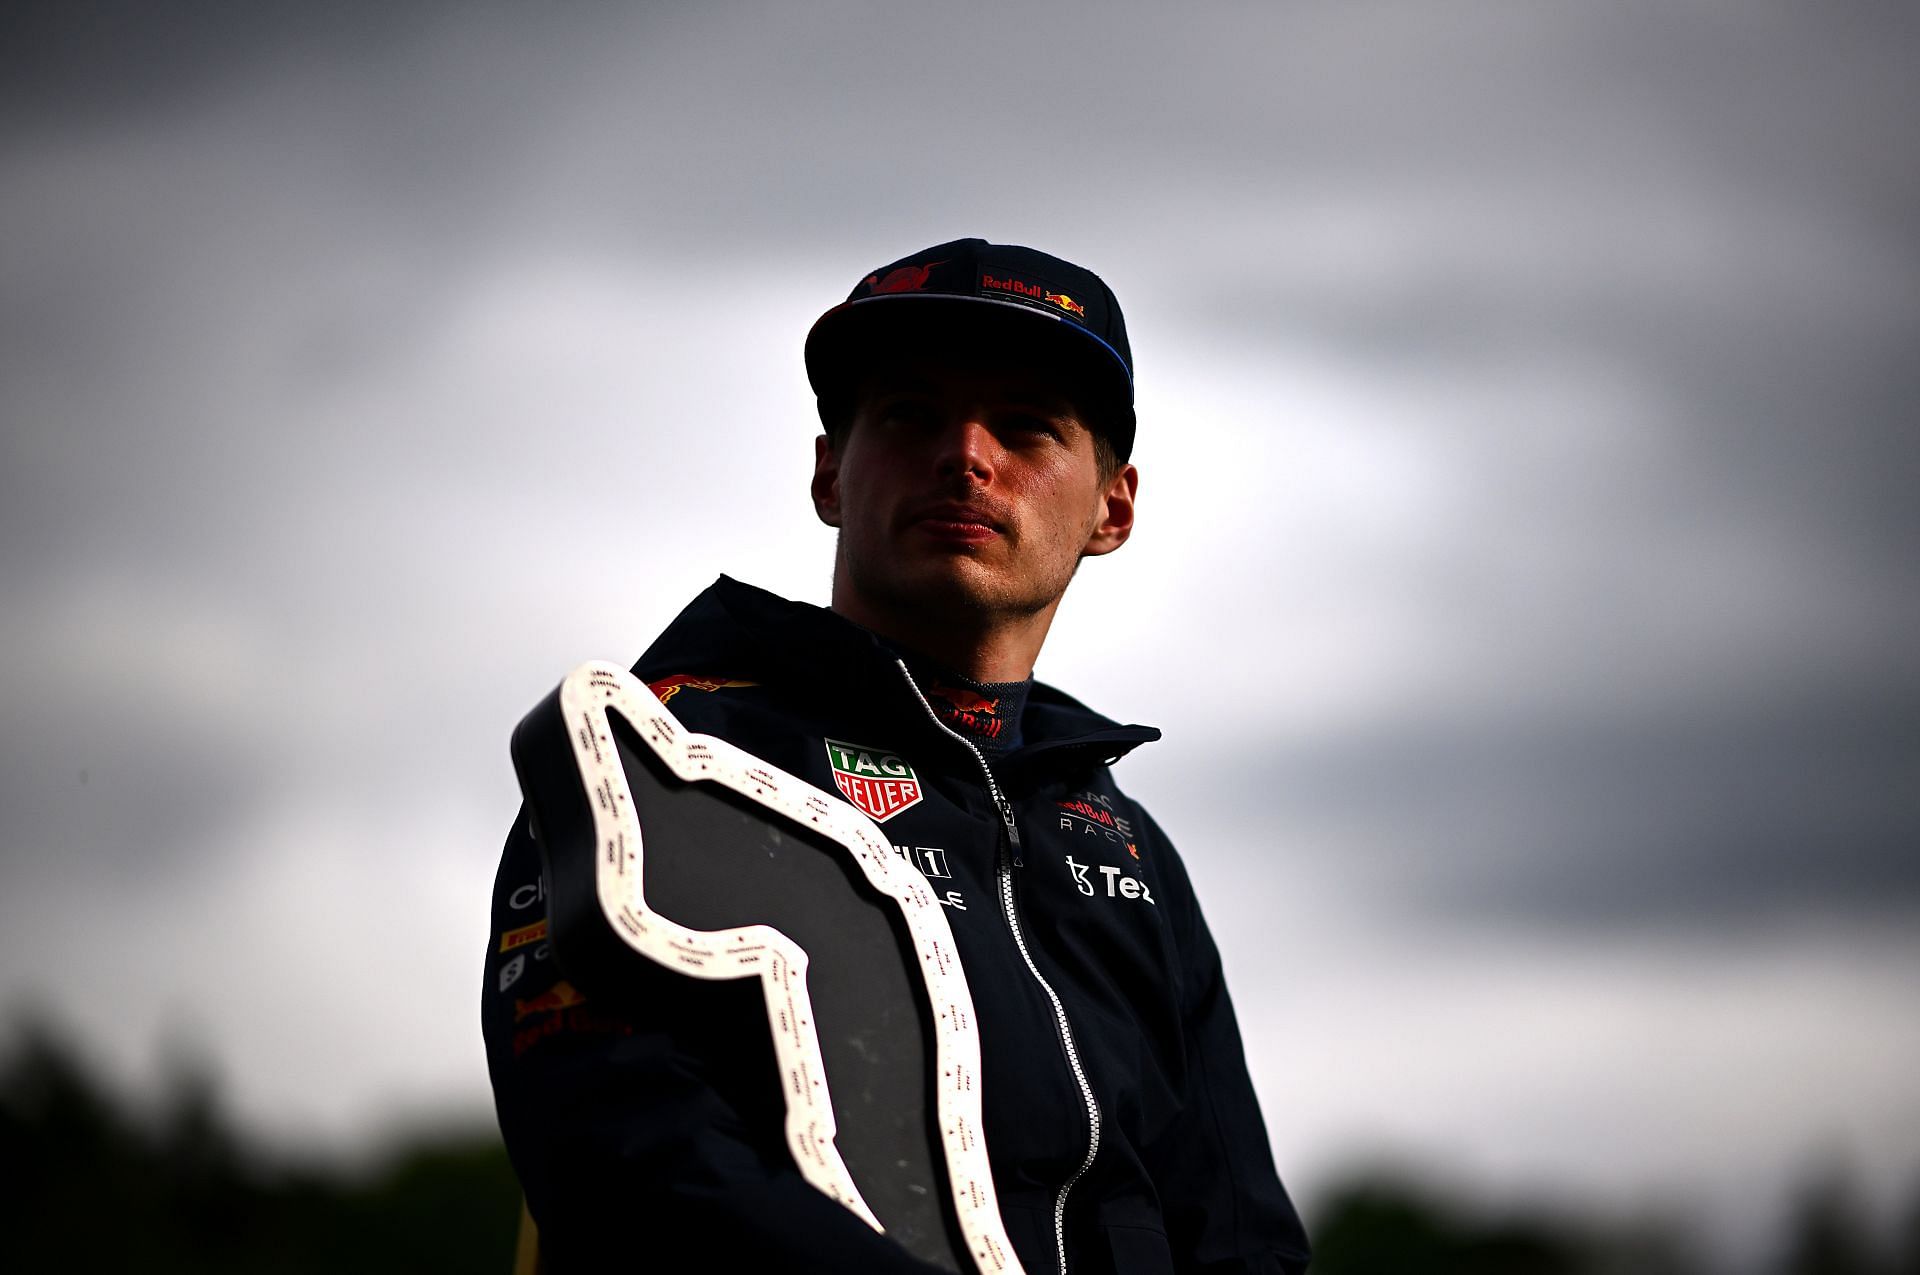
x=1524 y=579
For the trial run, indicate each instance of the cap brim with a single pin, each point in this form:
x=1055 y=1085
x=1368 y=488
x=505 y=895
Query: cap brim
x=856 y=336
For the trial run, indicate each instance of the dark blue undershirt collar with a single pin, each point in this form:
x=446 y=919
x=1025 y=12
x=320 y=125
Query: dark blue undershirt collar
x=986 y=713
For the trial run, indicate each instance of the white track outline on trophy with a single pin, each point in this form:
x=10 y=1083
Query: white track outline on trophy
x=588 y=695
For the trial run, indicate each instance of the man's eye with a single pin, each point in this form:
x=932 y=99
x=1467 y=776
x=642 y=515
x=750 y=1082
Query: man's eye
x=907 y=412
x=1025 y=423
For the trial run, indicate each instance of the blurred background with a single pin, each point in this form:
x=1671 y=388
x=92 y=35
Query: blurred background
x=1524 y=579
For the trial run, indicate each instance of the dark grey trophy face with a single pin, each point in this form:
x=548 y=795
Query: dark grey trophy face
x=681 y=868
x=718 y=862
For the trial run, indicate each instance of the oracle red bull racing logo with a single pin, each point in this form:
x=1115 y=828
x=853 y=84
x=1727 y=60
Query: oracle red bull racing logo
x=875 y=780
x=1092 y=814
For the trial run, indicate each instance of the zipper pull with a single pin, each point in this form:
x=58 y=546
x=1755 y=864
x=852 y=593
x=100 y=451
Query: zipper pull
x=1013 y=831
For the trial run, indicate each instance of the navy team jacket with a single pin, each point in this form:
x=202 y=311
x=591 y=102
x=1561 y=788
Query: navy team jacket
x=1139 y=1150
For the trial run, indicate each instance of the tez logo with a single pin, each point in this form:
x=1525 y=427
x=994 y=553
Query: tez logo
x=877 y=781
x=1115 y=881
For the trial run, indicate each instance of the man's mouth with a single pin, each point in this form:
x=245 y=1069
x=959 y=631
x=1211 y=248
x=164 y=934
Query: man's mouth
x=956 y=523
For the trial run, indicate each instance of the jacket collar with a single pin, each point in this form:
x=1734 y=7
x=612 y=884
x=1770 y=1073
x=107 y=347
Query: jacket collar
x=743 y=631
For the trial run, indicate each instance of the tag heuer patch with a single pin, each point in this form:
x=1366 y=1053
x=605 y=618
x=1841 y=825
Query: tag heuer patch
x=877 y=781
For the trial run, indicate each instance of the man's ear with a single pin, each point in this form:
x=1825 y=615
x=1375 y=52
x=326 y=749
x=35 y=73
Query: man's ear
x=826 y=481
x=1116 y=513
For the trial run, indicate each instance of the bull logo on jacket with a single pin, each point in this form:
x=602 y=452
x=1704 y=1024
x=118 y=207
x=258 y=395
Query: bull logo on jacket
x=876 y=780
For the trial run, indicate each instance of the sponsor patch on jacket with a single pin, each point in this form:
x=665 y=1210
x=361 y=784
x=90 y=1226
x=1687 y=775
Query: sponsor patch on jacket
x=1092 y=813
x=1118 y=884
x=877 y=781
x=561 y=1010
x=668 y=687
x=562 y=995
x=524 y=935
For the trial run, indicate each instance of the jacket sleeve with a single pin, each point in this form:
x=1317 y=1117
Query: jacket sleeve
x=625 y=1138
x=1224 y=1206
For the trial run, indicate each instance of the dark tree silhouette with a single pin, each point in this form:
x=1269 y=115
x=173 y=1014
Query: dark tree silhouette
x=1906 y=1259
x=97 y=1187
x=1828 y=1234
x=97 y=1184
x=1385 y=1225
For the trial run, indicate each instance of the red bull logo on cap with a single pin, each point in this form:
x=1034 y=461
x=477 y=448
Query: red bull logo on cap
x=902 y=279
x=1046 y=296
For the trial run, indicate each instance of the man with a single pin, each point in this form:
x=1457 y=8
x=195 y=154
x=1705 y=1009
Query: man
x=978 y=405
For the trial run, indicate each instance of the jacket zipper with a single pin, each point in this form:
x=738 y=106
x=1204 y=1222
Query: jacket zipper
x=1010 y=857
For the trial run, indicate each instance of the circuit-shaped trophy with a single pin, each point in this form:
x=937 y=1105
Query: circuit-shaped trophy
x=673 y=856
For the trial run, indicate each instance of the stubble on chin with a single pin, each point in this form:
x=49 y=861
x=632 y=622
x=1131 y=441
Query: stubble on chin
x=959 y=592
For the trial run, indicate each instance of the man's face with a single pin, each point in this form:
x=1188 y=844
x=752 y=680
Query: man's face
x=967 y=490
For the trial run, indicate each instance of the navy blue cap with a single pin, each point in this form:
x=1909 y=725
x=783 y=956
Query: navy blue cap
x=1060 y=314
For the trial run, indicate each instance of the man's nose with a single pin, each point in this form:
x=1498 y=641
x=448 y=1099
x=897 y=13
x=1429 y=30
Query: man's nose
x=966 y=446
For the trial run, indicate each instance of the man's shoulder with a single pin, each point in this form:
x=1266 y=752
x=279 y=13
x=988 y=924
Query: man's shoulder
x=744 y=632
x=1063 y=730
x=708 y=638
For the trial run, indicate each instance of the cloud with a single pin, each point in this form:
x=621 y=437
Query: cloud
x=1526 y=512
x=1782 y=812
